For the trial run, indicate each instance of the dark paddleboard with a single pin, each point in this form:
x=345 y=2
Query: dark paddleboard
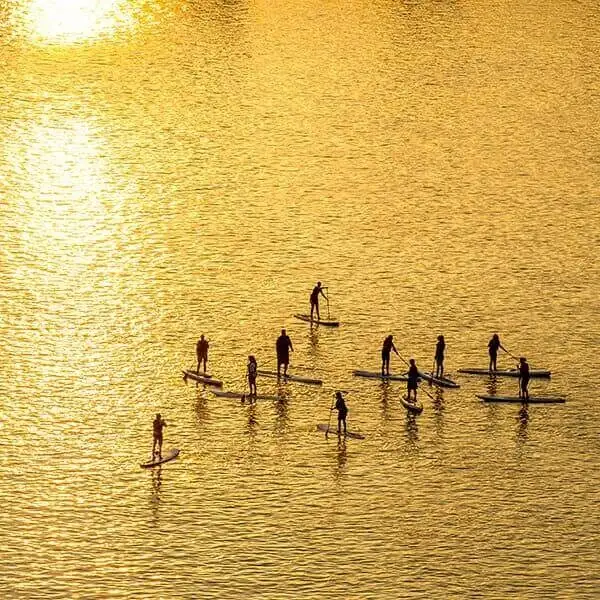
x=505 y=372
x=325 y=322
x=531 y=400
x=378 y=375
x=166 y=457
x=245 y=396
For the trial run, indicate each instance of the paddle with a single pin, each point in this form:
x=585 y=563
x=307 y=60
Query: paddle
x=510 y=354
x=327 y=298
x=329 y=421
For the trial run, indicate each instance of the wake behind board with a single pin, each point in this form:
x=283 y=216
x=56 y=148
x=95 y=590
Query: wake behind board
x=531 y=400
x=289 y=377
x=378 y=375
x=333 y=431
x=245 y=396
x=325 y=322
x=441 y=381
x=505 y=372
x=202 y=378
x=416 y=408
x=166 y=457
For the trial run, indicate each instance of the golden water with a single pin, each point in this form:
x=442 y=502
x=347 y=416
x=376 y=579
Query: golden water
x=174 y=168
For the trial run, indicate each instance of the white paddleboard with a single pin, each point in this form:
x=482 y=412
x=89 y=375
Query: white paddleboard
x=378 y=375
x=413 y=407
x=326 y=322
x=245 y=396
x=166 y=457
x=332 y=430
x=531 y=400
x=202 y=378
x=289 y=377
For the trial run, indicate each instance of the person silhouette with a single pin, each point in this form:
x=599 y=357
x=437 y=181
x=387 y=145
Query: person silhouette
x=314 y=300
x=283 y=346
x=201 y=353
x=386 y=351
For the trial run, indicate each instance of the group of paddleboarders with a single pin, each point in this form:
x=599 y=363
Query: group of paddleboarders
x=413 y=372
x=283 y=347
x=493 y=346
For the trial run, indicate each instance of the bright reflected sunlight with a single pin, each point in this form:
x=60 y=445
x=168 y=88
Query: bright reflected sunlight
x=76 y=21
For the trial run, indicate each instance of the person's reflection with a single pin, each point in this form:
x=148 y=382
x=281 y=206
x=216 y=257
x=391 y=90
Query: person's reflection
x=384 y=386
x=438 y=411
x=412 y=431
x=438 y=400
x=281 y=411
x=341 y=456
x=492 y=385
x=523 y=421
x=252 y=422
x=156 y=485
x=313 y=339
x=202 y=411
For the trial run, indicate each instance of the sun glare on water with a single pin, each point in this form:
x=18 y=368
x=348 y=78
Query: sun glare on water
x=76 y=21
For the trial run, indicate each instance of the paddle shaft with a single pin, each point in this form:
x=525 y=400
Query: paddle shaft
x=329 y=420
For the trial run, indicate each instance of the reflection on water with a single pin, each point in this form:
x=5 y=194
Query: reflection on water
x=411 y=432
x=155 y=497
x=342 y=458
x=492 y=385
x=72 y=21
x=282 y=421
x=386 y=401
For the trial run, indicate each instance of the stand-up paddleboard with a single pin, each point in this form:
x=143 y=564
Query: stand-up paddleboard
x=166 y=457
x=378 y=375
x=289 y=377
x=531 y=400
x=416 y=408
x=245 y=396
x=202 y=378
x=441 y=381
x=505 y=372
x=332 y=430
x=325 y=322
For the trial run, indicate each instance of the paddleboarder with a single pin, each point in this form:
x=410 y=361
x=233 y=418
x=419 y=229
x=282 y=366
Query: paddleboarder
x=493 y=346
x=340 y=406
x=283 y=347
x=157 y=435
x=201 y=353
x=523 y=378
x=251 y=369
x=314 y=300
x=413 y=380
x=439 y=356
x=386 y=350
